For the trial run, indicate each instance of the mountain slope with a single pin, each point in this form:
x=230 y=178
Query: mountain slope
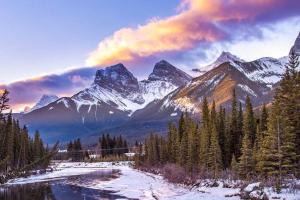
x=216 y=85
x=264 y=70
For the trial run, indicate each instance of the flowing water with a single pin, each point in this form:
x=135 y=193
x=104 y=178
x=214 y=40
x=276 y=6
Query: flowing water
x=67 y=188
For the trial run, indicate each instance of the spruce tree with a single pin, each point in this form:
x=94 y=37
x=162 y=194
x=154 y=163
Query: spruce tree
x=214 y=152
x=234 y=132
x=263 y=120
x=249 y=126
x=221 y=128
x=246 y=163
x=204 y=135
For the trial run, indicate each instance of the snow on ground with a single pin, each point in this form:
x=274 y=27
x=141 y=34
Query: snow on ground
x=67 y=169
x=133 y=183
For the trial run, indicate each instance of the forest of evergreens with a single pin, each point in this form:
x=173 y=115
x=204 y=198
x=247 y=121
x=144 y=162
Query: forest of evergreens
x=19 y=153
x=236 y=141
x=112 y=145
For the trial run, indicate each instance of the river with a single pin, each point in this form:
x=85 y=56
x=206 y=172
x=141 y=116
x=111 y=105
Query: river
x=66 y=188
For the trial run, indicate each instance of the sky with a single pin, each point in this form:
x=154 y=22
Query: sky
x=55 y=47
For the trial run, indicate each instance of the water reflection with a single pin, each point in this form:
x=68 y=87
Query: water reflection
x=70 y=188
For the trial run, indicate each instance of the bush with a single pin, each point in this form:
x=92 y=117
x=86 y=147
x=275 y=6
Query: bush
x=174 y=173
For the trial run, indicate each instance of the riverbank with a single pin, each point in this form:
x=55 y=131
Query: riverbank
x=133 y=183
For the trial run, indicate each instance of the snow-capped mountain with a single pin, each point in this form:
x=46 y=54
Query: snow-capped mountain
x=217 y=85
x=224 y=57
x=117 y=87
x=164 y=79
x=44 y=100
x=112 y=98
x=265 y=70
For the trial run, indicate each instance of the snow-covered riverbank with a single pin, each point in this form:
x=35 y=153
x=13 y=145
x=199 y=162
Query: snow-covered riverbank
x=136 y=184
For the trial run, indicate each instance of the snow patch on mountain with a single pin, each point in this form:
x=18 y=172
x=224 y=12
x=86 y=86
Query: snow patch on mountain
x=266 y=70
x=247 y=89
x=64 y=101
x=224 y=57
x=44 y=101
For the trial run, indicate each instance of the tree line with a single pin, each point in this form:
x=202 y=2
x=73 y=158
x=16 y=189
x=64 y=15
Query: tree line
x=249 y=145
x=18 y=151
x=75 y=151
x=112 y=145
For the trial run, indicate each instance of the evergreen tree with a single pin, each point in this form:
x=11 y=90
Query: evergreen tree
x=234 y=165
x=214 y=152
x=9 y=141
x=204 y=135
x=263 y=120
x=37 y=146
x=246 y=163
x=221 y=128
x=184 y=150
x=3 y=102
x=234 y=132
x=239 y=131
x=249 y=127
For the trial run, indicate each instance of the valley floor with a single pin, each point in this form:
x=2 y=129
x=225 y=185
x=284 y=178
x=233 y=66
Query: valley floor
x=136 y=184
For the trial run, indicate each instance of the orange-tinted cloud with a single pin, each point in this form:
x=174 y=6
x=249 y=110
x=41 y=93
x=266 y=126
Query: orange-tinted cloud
x=197 y=22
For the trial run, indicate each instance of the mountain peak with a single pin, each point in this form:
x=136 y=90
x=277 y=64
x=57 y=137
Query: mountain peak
x=227 y=57
x=165 y=71
x=296 y=46
x=44 y=100
x=116 y=77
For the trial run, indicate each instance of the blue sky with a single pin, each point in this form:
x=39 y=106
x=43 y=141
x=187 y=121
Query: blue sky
x=55 y=46
x=41 y=37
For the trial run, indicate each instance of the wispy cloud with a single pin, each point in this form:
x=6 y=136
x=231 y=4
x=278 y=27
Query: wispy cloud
x=27 y=92
x=197 y=22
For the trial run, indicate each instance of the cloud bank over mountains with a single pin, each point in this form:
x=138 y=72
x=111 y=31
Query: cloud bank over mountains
x=197 y=25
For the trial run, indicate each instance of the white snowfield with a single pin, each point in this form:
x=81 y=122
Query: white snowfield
x=136 y=184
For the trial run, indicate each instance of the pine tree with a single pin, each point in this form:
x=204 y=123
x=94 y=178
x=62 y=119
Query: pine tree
x=184 y=150
x=37 y=146
x=214 y=151
x=204 y=135
x=3 y=102
x=249 y=127
x=181 y=126
x=239 y=131
x=9 y=141
x=246 y=163
x=221 y=128
x=234 y=132
x=263 y=120
x=234 y=165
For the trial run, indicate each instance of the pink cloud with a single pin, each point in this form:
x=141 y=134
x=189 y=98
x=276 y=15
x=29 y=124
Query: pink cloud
x=199 y=21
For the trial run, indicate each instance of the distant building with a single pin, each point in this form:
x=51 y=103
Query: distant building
x=130 y=155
